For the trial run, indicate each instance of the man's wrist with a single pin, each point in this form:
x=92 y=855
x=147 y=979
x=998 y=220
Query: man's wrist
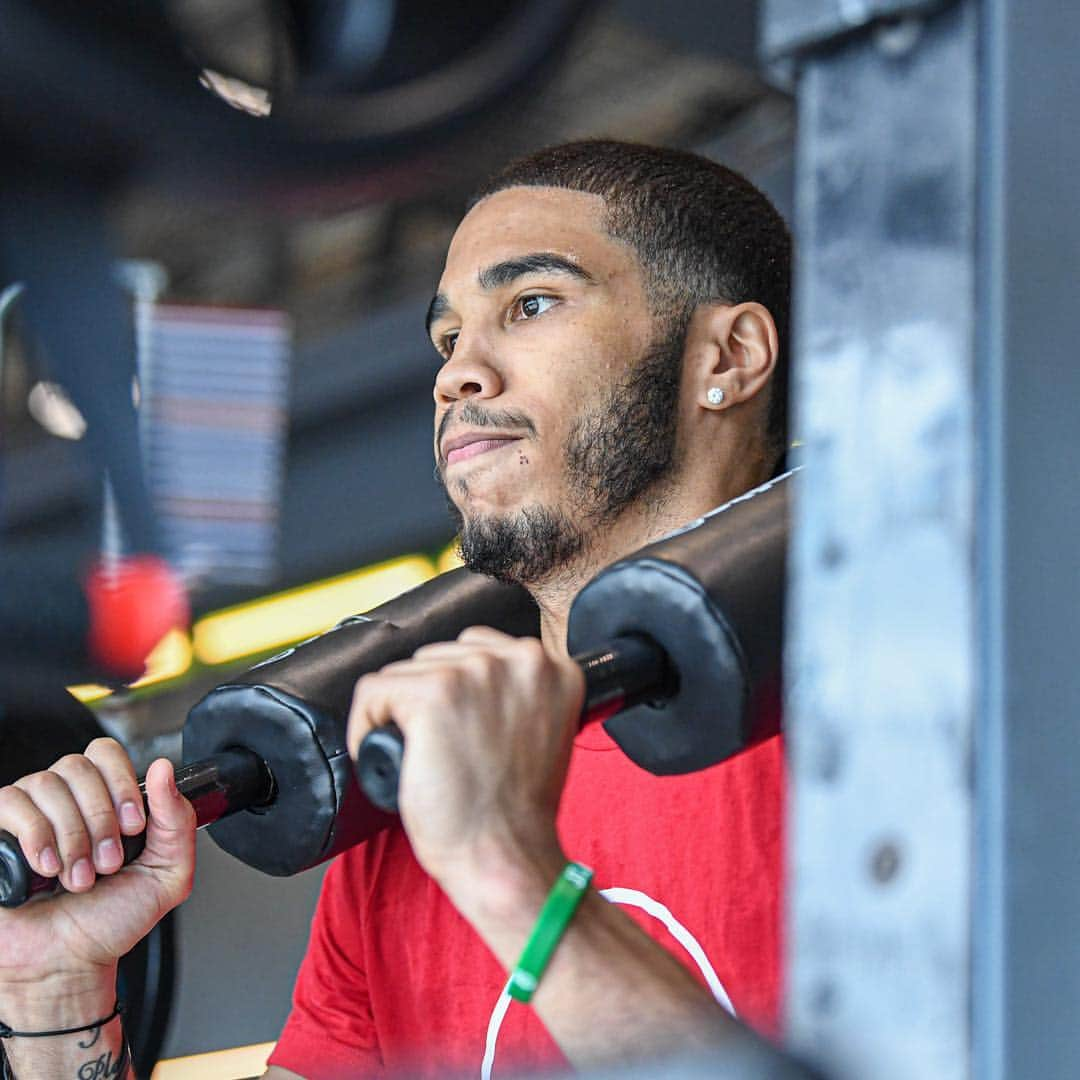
x=501 y=887
x=101 y=1051
x=42 y=1016
x=58 y=1001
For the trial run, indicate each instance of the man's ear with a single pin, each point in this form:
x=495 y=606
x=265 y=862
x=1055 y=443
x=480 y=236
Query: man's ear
x=735 y=353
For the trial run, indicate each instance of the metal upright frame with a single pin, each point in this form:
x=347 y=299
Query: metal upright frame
x=933 y=686
x=1027 y=915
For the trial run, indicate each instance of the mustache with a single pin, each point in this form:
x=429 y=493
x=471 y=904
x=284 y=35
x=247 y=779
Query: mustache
x=469 y=414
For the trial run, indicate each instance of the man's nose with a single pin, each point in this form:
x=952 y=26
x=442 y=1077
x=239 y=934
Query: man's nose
x=468 y=373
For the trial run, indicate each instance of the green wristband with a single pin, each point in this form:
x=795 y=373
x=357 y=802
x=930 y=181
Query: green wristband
x=551 y=924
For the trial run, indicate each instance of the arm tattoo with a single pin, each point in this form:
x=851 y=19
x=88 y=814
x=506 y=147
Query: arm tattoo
x=103 y=1068
x=93 y=1039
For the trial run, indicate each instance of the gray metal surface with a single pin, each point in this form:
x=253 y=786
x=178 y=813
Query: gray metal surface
x=796 y=25
x=1027 y=913
x=881 y=654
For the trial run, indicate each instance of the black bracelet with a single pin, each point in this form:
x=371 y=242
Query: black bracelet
x=8 y=1033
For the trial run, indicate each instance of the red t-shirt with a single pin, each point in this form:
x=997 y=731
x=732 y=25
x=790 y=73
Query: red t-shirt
x=396 y=981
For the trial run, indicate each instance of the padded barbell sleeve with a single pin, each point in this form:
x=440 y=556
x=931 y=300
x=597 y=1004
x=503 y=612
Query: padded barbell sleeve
x=712 y=597
x=235 y=779
x=293 y=709
x=629 y=670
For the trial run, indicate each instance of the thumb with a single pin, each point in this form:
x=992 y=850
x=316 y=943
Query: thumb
x=170 y=831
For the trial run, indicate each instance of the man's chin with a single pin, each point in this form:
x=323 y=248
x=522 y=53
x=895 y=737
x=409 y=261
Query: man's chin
x=523 y=547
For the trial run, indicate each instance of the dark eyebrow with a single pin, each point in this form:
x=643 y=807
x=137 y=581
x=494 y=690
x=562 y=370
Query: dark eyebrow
x=503 y=273
x=540 y=262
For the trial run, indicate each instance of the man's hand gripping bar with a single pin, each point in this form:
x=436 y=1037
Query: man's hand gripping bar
x=633 y=669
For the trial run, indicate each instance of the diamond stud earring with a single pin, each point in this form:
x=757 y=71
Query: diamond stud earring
x=715 y=396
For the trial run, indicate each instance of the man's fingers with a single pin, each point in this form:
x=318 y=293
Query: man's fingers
x=170 y=833
x=67 y=823
x=67 y=816
x=464 y=643
x=95 y=804
x=20 y=816
x=485 y=635
x=53 y=798
x=118 y=773
x=394 y=693
x=364 y=713
x=436 y=674
x=169 y=810
x=171 y=829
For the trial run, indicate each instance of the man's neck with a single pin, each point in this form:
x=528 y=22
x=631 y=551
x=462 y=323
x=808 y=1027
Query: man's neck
x=633 y=530
x=682 y=499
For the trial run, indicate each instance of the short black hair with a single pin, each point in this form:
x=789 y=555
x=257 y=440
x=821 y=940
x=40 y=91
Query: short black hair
x=701 y=231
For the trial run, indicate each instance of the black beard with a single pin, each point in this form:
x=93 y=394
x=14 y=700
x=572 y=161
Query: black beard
x=524 y=548
x=618 y=453
x=623 y=450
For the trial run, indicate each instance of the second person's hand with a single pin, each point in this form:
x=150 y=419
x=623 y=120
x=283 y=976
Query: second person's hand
x=69 y=820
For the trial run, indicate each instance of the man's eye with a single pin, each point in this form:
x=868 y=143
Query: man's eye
x=448 y=341
x=530 y=306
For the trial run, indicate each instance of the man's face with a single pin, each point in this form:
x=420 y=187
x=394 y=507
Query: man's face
x=553 y=408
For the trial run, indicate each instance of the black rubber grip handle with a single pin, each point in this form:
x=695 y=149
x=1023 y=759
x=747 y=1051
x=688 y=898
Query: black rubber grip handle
x=378 y=765
x=632 y=669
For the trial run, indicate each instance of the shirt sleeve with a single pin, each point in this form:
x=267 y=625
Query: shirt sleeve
x=330 y=1033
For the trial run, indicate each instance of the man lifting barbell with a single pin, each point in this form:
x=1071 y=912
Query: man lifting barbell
x=610 y=321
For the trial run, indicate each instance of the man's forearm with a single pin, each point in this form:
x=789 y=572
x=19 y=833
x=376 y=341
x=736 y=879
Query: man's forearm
x=610 y=992
x=95 y=1054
